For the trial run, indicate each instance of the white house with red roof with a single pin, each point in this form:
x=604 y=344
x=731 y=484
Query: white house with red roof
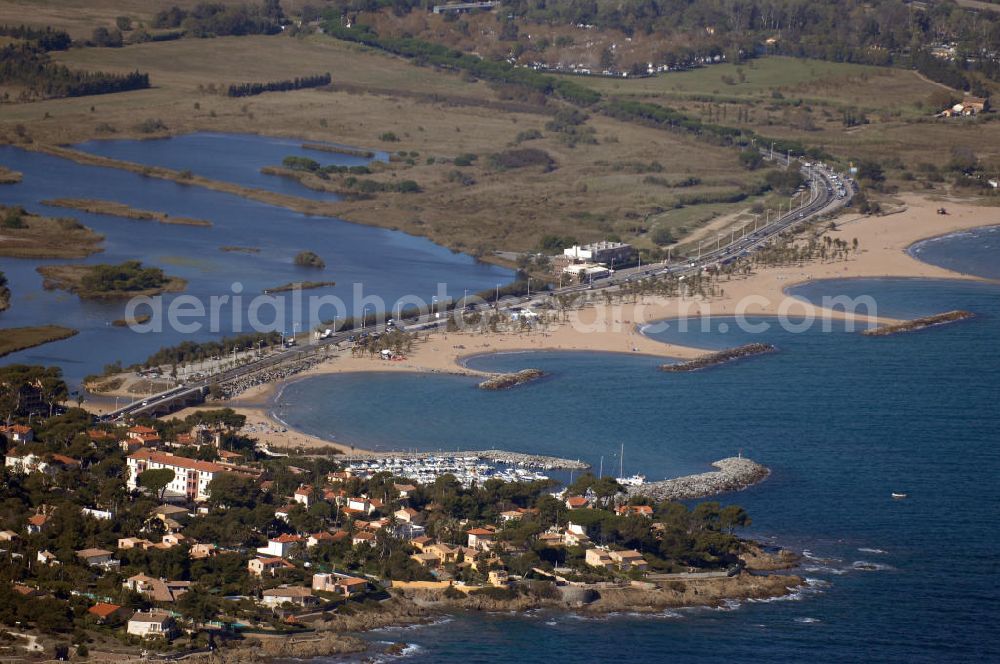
x=482 y=539
x=280 y=546
x=304 y=495
x=191 y=476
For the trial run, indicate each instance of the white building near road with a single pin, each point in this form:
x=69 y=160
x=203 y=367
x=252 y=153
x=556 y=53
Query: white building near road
x=601 y=252
x=191 y=476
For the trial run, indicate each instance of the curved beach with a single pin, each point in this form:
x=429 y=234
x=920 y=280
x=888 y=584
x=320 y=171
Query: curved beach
x=884 y=241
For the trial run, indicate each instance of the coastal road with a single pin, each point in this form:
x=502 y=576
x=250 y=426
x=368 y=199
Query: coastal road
x=827 y=193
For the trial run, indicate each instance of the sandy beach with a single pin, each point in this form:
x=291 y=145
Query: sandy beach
x=615 y=327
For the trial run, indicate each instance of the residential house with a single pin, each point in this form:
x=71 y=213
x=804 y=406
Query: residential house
x=629 y=560
x=577 y=503
x=551 y=539
x=201 y=551
x=144 y=436
x=340 y=584
x=575 y=535
x=281 y=546
x=409 y=530
x=172 y=539
x=171 y=513
x=324 y=537
x=297 y=595
x=404 y=490
x=426 y=559
x=261 y=565
x=97 y=557
x=18 y=433
x=46 y=557
x=304 y=495
x=283 y=512
x=36 y=522
x=20 y=460
x=191 y=476
x=106 y=613
x=498 y=578
x=363 y=537
x=482 y=539
x=158 y=590
x=406 y=514
x=420 y=542
x=99 y=435
x=510 y=515
x=598 y=558
x=154 y=624
x=125 y=543
x=446 y=554
x=635 y=510
x=363 y=505
x=8 y=536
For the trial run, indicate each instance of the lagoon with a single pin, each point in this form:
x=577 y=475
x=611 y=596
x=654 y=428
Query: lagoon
x=381 y=263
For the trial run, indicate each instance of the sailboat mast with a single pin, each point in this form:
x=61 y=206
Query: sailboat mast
x=621 y=462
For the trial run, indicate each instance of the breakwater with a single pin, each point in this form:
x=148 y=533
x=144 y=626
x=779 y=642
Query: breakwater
x=733 y=474
x=721 y=357
x=507 y=381
x=918 y=323
x=493 y=456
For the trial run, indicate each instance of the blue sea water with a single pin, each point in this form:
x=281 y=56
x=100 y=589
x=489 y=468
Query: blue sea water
x=383 y=264
x=842 y=420
x=975 y=251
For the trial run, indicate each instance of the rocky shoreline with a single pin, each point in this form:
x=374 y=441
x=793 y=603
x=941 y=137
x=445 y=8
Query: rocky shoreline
x=507 y=381
x=918 y=323
x=721 y=357
x=734 y=474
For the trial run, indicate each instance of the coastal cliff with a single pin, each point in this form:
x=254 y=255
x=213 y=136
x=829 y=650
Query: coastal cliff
x=721 y=357
x=734 y=474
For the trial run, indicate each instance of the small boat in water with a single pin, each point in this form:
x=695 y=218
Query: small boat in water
x=898 y=496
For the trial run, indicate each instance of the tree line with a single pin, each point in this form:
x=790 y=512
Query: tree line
x=45 y=39
x=28 y=66
x=495 y=71
x=297 y=83
x=188 y=351
x=211 y=19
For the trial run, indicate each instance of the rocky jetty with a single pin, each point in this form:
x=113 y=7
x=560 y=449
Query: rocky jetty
x=507 y=381
x=918 y=323
x=712 y=359
x=734 y=474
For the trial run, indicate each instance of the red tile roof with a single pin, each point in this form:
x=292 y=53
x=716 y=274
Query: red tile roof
x=103 y=609
x=285 y=538
x=177 y=461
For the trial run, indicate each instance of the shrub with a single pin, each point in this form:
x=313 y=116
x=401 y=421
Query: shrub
x=309 y=259
x=521 y=158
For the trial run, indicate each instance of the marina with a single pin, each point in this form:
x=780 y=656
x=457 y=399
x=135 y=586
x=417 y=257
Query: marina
x=468 y=467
